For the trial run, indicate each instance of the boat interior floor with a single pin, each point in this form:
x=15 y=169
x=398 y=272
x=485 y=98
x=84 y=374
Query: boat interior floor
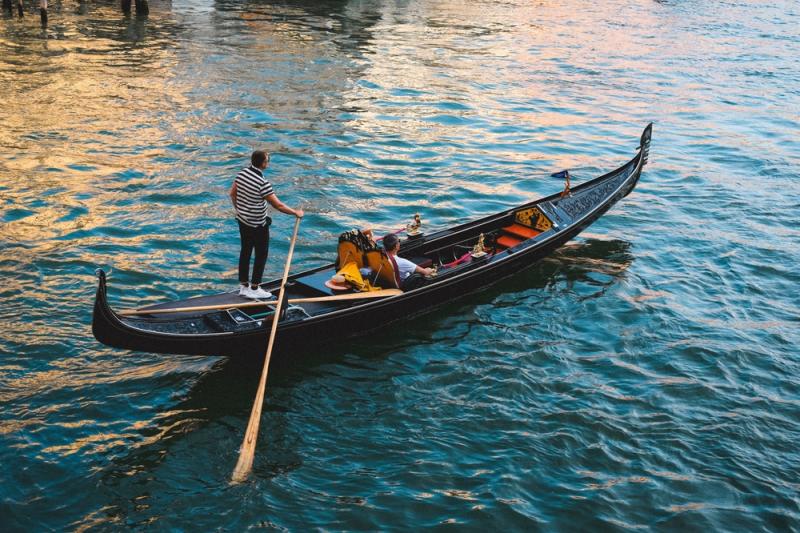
x=448 y=257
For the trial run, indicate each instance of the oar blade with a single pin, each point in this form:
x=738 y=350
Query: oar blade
x=243 y=466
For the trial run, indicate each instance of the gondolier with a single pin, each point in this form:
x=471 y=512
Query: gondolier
x=250 y=193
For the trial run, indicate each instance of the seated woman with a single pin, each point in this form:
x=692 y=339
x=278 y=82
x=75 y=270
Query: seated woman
x=403 y=268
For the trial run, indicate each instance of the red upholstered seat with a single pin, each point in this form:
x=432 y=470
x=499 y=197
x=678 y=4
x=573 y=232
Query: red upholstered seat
x=523 y=232
x=508 y=241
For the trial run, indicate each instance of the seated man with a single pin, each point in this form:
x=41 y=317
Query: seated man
x=403 y=268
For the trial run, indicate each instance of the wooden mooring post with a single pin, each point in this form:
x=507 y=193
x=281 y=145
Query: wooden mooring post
x=8 y=6
x=142 y=7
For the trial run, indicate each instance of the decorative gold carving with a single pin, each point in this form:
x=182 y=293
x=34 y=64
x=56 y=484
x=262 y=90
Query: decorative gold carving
x=414 y=228
x=533 y=218
x=478 y=250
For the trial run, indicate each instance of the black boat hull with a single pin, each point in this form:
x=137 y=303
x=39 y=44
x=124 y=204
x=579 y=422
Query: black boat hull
x=356 y=320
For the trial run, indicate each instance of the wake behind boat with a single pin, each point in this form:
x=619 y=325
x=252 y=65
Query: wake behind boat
x=468 y=258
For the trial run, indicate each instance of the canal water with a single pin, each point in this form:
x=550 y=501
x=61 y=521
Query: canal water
x=645 y=376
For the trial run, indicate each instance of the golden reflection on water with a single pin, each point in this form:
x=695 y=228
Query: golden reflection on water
x=106 y=99
x=140 y=434
x=70 y=129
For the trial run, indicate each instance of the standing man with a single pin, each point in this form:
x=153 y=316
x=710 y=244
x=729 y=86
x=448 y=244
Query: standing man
x=250 y=193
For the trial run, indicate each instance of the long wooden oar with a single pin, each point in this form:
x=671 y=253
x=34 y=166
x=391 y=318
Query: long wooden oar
x=248 y=450
x=335 y=298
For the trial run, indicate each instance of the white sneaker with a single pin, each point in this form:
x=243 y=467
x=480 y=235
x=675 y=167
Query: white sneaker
x=255 y=294
x=243 y=288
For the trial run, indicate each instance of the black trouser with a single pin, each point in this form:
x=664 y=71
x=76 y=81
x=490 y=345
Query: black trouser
x=257 y=238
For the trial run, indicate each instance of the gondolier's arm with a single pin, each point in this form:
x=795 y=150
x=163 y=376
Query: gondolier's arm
x=232 y=194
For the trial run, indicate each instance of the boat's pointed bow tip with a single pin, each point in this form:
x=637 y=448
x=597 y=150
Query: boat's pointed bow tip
x=647 y=132
x=644 y=143
x=101 y=277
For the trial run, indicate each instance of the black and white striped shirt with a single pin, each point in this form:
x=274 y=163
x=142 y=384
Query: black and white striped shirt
x=251 y=189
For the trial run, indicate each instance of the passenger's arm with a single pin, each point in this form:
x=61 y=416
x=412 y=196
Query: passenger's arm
x=423 y=271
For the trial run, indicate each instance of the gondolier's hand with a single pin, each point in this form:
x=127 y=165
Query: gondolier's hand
x=299 y=213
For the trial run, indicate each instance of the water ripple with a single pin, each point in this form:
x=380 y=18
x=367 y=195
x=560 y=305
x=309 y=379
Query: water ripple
x=642 y=377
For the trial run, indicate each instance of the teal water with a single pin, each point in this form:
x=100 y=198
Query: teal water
x=643 y=377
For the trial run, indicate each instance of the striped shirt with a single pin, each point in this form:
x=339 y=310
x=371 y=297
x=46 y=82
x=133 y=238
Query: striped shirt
x=251 y=190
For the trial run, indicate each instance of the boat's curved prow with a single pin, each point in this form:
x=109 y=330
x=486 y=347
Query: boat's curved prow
x=102 y=316
x=643 y=155
x=100 y=296
x=644 y=143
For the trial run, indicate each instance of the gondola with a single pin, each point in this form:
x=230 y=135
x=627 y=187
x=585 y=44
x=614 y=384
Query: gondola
x=228 y=325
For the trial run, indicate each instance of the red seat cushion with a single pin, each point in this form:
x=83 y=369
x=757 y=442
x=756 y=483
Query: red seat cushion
x=521 y=231
x=508 y=241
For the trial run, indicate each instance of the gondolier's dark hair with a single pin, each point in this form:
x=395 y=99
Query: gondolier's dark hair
x=389 y=241
x=258 y=158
